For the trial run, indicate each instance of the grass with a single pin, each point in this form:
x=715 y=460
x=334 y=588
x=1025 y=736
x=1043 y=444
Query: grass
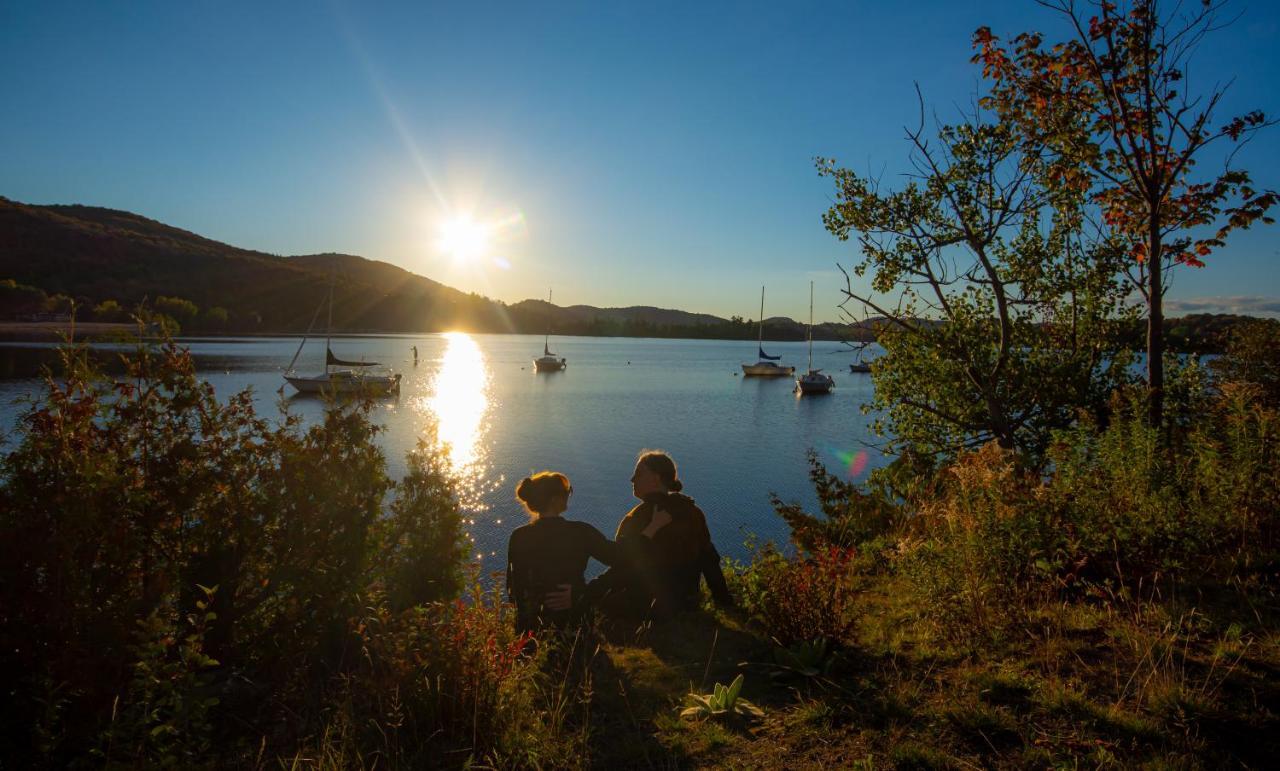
x=1099 y=686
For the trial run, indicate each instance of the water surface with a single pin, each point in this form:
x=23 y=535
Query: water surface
x=735 y=439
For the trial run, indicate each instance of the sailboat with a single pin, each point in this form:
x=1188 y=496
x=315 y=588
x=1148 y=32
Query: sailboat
x=548 y=361
x=813 y=381
x=768 y=365
x=350 y=377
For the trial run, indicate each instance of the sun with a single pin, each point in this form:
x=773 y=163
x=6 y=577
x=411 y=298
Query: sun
x=462 y=238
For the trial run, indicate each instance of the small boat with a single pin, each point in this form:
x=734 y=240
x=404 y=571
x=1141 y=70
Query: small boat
x=813 y=381
x=345 y=381
x=859 y=367
x=353 y=380
x=548 y=361
x=768 y=365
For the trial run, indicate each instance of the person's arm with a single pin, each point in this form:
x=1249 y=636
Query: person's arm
x=598 y=547
x=709 y=566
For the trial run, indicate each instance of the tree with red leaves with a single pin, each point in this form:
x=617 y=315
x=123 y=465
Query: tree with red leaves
x=1111 y=107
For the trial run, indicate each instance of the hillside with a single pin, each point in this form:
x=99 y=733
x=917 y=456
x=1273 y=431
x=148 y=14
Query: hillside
x=94 y=254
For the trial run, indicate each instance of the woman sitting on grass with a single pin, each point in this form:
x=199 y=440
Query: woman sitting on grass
x=551 y=552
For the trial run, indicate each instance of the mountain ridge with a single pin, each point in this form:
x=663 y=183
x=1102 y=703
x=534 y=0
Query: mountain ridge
x=96 y=254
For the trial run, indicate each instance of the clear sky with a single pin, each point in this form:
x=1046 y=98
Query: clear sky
x=626 y=153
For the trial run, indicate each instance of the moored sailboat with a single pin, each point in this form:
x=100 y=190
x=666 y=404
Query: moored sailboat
x=767 y=366
x=814 y=381
x=354 y=379
x=548 y=361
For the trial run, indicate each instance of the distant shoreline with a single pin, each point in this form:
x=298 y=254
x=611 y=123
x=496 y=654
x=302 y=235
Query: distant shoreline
x=56 y=331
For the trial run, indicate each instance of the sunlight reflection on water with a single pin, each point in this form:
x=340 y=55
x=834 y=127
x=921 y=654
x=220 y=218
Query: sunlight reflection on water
x=459 y=401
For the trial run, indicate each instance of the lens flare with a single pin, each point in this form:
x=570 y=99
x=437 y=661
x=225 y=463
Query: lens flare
x=854 y=463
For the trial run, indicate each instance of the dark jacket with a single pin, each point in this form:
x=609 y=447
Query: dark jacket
x=680 y=556
x=546 y=553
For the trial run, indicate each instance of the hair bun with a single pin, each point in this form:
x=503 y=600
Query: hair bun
x=524 y=489
x=675 y=486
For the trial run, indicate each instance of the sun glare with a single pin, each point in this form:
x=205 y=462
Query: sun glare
x=463 y=239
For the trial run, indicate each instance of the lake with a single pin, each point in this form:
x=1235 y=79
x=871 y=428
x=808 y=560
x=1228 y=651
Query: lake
x=735 y=439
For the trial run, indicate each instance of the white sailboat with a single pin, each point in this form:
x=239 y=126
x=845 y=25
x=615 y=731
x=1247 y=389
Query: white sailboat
x=351 y=377
x=548 y=361
x=767 y=366
x=813 y=381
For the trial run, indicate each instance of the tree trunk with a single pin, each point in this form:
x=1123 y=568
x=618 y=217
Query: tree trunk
x=1155 y=330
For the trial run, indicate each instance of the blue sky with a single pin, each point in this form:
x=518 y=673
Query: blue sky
x=634 y=153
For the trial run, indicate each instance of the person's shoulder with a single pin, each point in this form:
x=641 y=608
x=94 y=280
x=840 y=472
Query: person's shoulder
x=683 y=503
x=584 y=528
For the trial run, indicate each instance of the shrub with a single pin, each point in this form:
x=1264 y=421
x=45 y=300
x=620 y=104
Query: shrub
x=1253 y=356
x=850 y=516
x=449 y=678
x=801 y=599
x=987 y=546
x=120 y=499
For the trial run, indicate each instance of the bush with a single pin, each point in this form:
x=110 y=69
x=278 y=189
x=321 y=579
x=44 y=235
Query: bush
x=987 y=546
x=450 y=678
x=121 y=500
x=850 y=517
x=1253 y=357
x=1200 y=506
x=801 y=600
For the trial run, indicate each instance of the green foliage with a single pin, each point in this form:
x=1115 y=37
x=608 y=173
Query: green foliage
x=723 y=701
x=1252 y=358
x=20 y=299
x=1005 y=319
x=800 y=600
x=166 y=720
x=984 y=547
x=441 y=677
x=180 y=310
x=850 y=517
x=120 y=499
x=109 y=311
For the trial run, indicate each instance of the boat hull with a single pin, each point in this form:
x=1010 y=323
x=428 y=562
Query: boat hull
x=815 y=383
x=860 y=368
x=549 y=364
x=767 y=369
x=342 y=383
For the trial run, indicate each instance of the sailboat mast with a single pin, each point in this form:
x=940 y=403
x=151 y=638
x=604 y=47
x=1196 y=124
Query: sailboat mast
x=328 y=329
x=811 y=326
x=546 y=340
x=760 y=340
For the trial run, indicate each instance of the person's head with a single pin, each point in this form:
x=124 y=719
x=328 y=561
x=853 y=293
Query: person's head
x=655 y=473
x=545 y=494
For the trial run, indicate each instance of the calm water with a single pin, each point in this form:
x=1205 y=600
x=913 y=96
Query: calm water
x=734 y=439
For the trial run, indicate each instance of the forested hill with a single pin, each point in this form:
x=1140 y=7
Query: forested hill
x=114 y=260
x=96 y=255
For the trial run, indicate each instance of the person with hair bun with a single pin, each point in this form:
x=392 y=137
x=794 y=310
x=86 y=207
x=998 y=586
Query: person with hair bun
x=551 y=552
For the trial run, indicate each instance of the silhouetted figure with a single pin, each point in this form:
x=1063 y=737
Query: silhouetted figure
x=550 y=553
x=682 y=553
x=415 y=355
x=665 y=576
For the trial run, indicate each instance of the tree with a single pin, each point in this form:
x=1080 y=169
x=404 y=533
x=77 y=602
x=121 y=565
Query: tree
x=109 y=310
x=181 y=310
x=1004 y=319
x=1110 y=109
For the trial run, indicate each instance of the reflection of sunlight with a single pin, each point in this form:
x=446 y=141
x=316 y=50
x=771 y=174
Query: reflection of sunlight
x=459 y=403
